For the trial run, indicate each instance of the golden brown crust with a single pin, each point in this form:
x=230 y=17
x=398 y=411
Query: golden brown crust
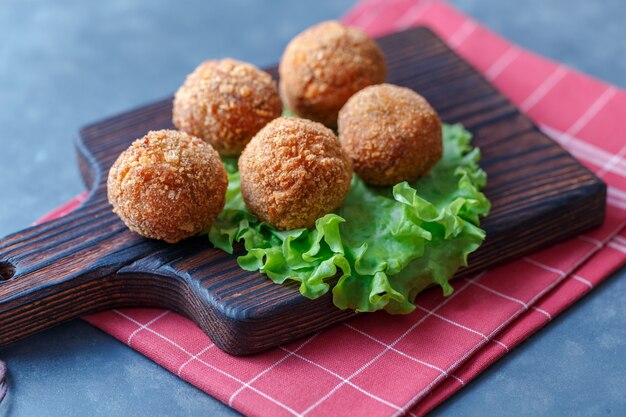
x=324 y=66
x=294 y=172
x=391 y=134
x=167 y=185
x=226 y=103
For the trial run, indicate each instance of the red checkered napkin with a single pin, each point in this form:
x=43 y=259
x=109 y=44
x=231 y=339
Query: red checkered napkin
x=378 y=365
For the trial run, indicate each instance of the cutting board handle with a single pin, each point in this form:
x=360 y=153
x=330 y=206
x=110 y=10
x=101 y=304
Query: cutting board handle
x=62 y=269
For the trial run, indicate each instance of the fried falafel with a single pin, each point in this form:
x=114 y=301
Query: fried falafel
x=324 y=66
x=226 y=103
x=391 y=133
x=167 y=185
x=294 y=172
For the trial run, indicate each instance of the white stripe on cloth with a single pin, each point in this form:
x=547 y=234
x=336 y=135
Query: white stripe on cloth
x=502 y=63
x=620 y=240
x=399 y=352
x=469 y=353
x=515 y=300
x=145 y=326
x=269 y=368
x=544 y=88
x=373 y=360
x=515 y=315
x=591 y=112
x=371 y=15
x=180 y=369
x=208 y=365
x=617 y=246
x=583 y=280
x=350 y=383
x=584 y=150
x=462 y=33
x=413 y=14
x=591 y=240
x=454 y=323
x=612 y=162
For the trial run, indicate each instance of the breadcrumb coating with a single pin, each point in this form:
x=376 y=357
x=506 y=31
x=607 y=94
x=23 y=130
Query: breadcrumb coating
x=226 y=103
x=294 y=172
x=391 y=134
x=324 y=66
x=167 y=185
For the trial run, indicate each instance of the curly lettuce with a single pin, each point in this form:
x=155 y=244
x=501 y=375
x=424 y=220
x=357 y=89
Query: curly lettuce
x=384 y=244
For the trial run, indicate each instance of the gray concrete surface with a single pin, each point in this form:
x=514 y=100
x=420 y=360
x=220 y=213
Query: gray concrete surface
x=70 y=62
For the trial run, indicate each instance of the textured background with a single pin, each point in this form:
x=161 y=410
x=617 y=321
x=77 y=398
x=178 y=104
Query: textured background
x=70 y=62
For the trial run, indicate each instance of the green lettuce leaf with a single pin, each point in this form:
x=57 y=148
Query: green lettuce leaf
x=385 y=244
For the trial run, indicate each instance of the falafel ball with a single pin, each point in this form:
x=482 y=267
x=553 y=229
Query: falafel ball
x=391 y=134
x=294 y=172
x=324 y=66
x=225 y=103
x=167 y=185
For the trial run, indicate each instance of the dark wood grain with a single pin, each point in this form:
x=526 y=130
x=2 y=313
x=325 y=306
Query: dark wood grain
x=88 y=261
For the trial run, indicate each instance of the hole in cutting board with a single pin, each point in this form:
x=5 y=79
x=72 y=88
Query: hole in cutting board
x=7 y=270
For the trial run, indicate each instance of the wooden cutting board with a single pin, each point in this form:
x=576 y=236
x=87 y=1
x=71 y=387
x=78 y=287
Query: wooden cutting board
x=88 y=261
